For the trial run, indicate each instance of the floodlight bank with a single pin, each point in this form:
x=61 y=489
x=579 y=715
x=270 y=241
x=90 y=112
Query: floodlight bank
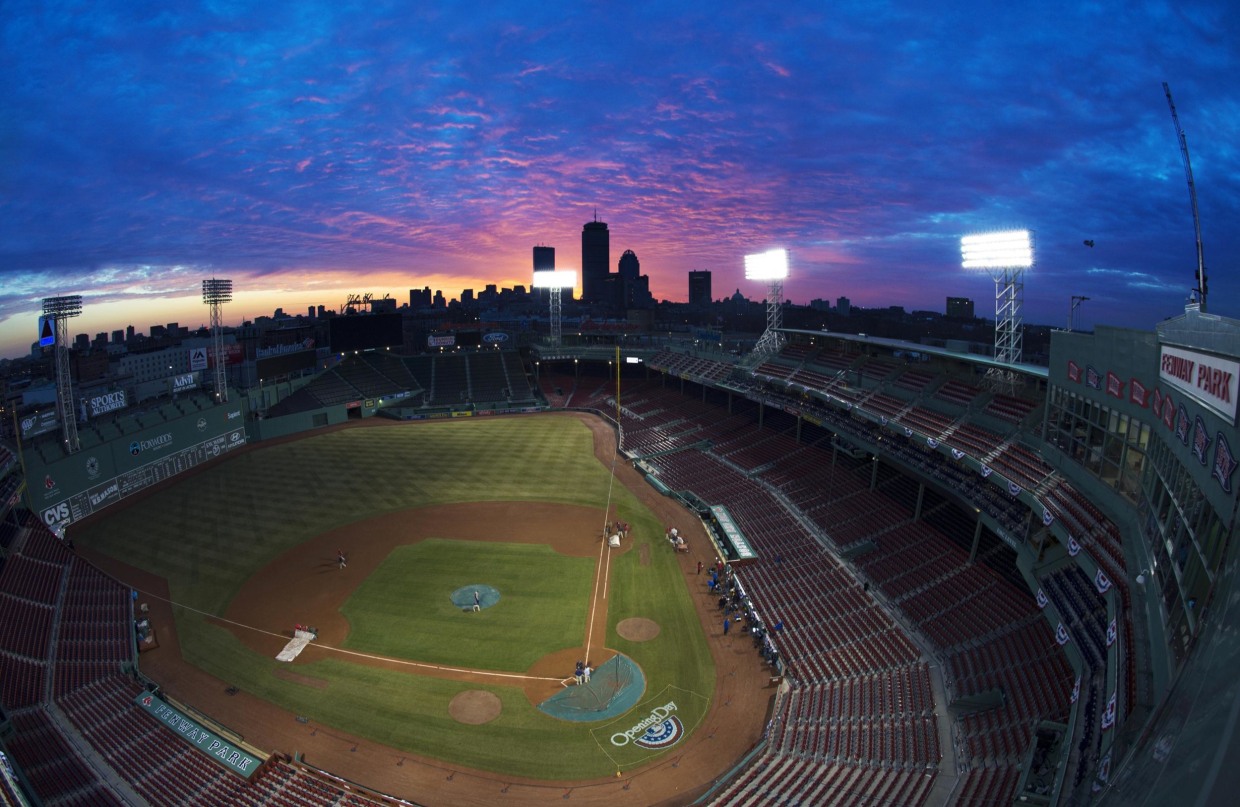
x=769 y=265
x=1013 y=248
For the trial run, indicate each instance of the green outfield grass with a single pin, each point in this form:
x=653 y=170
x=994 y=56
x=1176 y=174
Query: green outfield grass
x=403 y=608
x=212 y=531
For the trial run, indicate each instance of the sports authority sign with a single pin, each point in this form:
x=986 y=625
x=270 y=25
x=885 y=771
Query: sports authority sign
x=659 y=730
x=1210 y=380
x=226 y=753
x=105 y=402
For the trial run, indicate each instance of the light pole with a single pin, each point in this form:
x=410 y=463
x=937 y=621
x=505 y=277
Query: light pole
x=555 y=280
x=772 y=267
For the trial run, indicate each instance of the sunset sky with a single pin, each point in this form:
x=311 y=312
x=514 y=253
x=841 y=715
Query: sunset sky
x=309 y=150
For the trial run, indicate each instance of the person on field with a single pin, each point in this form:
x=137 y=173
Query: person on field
x=341 y=559
x=477 y=601
x=585 y=672
x=580 y=673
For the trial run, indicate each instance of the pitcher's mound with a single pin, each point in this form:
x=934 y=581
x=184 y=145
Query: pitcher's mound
x=638 y=629
x=475 y=707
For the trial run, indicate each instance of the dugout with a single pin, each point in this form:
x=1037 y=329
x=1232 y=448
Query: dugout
x=728 y=536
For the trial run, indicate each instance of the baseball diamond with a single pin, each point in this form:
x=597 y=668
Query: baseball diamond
x=426 y=512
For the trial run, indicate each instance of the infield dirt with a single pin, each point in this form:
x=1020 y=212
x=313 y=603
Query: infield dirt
x=306 y=586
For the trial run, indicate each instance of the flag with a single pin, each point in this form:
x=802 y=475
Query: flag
x=1076 y=689
x=1111 y=633
x=1181 y=425
x=1013 y=489
x=930 y=441
x=1074 y=371
x=883 y=419
x=1114 y=385
x=1201 y=440
x=1101 y=582
x=1156 y=400
x=1073 y=546
x=957 y=454
x=985 y=471
x=1041 y=598
x=908 y=432
x=1092 y=377
x=1224 y=462
x=1061 y=634
x=1137 y=393
x=1047 y=516
x=1108 y=715
x=1104 y=766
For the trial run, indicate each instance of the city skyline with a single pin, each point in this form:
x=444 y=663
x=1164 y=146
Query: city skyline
x=325 y=149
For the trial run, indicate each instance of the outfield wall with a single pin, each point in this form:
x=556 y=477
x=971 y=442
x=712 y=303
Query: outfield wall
x=71 y=488
x=285 y=425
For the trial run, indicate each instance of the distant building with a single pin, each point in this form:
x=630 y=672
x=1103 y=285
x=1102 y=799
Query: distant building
x=629 y=267
x=595 y=260
x=843 y=306
x=959 y=308
x=699 y=289
x=544 y=259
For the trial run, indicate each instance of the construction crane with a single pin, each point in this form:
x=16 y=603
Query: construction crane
x=1200 y=289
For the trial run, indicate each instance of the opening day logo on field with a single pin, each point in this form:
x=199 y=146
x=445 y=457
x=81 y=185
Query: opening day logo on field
x=660 y=729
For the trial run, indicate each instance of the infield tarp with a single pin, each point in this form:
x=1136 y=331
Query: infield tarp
x=291 y=650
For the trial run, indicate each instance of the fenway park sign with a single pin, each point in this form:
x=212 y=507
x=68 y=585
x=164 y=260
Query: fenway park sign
x=1211 y=380
x=206 y=741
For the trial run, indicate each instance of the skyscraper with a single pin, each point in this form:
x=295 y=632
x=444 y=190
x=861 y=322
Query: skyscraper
x=544 y=259
x=699 y=288
x=595 y=260
x=629 y=267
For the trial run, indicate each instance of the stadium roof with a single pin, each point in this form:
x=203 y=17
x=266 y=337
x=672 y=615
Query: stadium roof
x=930 y=350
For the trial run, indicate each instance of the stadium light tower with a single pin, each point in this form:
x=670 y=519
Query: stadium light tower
x=555 y=280
x=1005 y=256
x=772 y=267
x=215 y=292
x=59 y=310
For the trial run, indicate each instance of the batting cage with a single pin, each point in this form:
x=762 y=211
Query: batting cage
x=612 y=690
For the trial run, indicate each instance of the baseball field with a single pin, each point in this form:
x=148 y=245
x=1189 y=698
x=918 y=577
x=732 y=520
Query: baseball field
x=239 y=553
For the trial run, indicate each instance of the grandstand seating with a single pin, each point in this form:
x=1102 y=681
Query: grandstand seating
x=859 y=723
x=44 y=590
x=957 y=392
x=838 y=644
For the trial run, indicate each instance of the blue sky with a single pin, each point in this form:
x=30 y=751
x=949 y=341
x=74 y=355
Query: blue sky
x=308 y=150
